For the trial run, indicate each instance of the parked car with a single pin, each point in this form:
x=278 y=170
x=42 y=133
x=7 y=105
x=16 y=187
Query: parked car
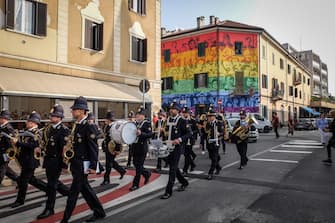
x=304 y=124
x=263 y=125
x=253 y=133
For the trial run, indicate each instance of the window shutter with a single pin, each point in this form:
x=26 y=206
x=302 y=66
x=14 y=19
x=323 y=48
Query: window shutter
x=134 y=48
x=195 y=81
x=101 y=36
x=88 y=34
x=144 y=50
x=143 y=11
x=10 y=11
x=41 y=19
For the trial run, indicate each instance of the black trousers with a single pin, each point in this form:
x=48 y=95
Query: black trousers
x=26 y=176
x=130 y=154
x=3 y=170
x=331 y=143
x=173 y=160
x=242 y=148
x=276 y=131
x=111 y=163
x=139 y=166
x=81 y=185
x=188 y=158
x=213 y=152
x=223 y=146
x=53 y=185
x=202 y=141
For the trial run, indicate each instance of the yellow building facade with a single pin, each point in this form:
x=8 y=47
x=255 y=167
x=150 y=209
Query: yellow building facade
x=285 y=82
x=52 y=51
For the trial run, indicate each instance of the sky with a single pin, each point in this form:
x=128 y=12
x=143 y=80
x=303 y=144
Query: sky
x=305 y=24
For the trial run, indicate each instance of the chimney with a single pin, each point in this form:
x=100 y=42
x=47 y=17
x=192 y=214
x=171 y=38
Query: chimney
x=216 y=20
x=200 y=22
x=163 y=31
x=211 y=20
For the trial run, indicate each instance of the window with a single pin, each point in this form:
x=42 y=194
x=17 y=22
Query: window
x=264 y=81
x=274 y=83
x=138 y=49
x=288 y=68
x=281 y=62
x=294 y=72
x=273 y=59
x=291 y=91
x=167 y=56
x=118 y=109
x=300 y=94
x=138 y=6
x=93 y=35
x=265 y=111
x=238 y=48
x=263 y=52
x=282 y=86
x=200 y=80
x=304 y=79
x=27 y=17
x=308 y=81
x=167 y=83
x=295 y=92
x=201 y=49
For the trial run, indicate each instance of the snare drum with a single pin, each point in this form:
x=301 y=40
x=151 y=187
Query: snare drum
x=123 y=132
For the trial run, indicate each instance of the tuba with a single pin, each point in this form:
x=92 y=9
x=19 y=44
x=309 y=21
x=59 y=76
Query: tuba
x=68 y=152
x=242 y=132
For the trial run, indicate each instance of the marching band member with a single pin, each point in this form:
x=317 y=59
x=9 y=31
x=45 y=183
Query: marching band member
x=177 y=135
x=131 y=118
x=191 y=124
x=110 y=157
x=83 y=162
x=331 y=141
x=5 y=143
x=214 y=132
x=322 y=124
x=242 y=144
x=28 y=145
x=54 y=137
x=159 y=130
x=140 y=148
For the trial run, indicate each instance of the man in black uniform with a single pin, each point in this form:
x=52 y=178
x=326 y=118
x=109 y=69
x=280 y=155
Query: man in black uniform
x=5 y=144
x=110 y=158
x=214 y=132
x=131 y=118
x=27 y=145
x=331 y=141
x=178 y=133
x=54 y=138
x=140 y=147
x=191 y=124
x=241 y=144
x=83 y=162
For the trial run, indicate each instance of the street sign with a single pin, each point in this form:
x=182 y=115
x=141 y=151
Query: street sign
x=144 y=86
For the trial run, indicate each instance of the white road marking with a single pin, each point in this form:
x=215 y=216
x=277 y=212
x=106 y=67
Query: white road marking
x=305 y=143
x=274 y=160
x=290 y=151
x=302 y=146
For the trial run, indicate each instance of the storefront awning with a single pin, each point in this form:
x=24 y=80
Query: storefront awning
x=310 y=110
x=38 y=84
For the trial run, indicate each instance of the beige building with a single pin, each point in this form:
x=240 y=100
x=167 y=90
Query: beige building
x=285 y=82
x=52 y=51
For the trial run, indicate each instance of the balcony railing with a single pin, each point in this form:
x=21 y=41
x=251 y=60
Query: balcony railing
x=277 y=94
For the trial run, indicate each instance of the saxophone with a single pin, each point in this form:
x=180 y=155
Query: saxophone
x=42 y=142
x=68 y=152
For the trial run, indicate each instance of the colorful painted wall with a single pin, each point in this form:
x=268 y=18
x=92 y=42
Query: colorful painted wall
x=221 y=64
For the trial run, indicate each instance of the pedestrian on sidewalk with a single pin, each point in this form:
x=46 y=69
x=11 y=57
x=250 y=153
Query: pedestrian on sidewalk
x=331 y=141
x=275 y=123
x=290 y=125
x=322 y=124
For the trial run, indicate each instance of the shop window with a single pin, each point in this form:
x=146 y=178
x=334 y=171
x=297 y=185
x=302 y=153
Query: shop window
x=201 y=80
x=27 y=17
x=116 y=107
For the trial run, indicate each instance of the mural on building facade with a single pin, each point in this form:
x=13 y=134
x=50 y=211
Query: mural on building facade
x=231 y=78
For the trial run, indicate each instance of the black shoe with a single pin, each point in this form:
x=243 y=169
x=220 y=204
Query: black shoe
x=95 y=218
x=128 y=165
x=122 y=175
x=16 y=204
x=241 y=167
x=210 y=177
x=46 y=213
x=64 y=221
x=217 y=172
x=327 y=161
x=105 y=182
x=192 y=168
x=166 y=165
x=182 y=187
x=184 y=173
x=147 y=178
x=133 y=188
x=165 y=196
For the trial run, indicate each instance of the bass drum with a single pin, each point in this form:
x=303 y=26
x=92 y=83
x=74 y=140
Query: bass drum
x=123 y=132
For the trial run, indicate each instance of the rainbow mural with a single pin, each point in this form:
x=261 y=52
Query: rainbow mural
x=220 y=63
